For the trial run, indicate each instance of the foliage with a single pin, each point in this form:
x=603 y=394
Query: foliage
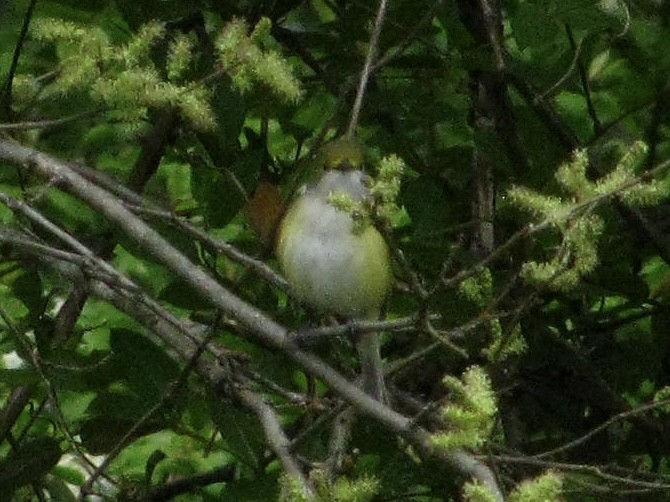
x=248 y=64
x=471 y=411
x=546 y=487
x=473 y=492
x=124 y=80
x=342 y=490
x=574 y=218
x=518 y=154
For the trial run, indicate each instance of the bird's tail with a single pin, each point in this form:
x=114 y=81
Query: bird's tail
x=369 y=353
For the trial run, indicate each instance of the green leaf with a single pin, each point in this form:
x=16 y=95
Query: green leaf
x=94 y=6
x=182 y=295
x=229 y=107
x=240 y=430
x=144 y=366
x=70 y=475
x=28 y=288
x=219 y=199
x=154 y=459
x=533 y=25
x=99 y=435
x=261 y=488
x=137 y=13
x=33 y=459
x=59 y=490
x=81 y=373
x=16 y=377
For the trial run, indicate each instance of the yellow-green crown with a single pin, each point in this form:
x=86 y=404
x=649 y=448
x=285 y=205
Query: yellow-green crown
x=343 y=153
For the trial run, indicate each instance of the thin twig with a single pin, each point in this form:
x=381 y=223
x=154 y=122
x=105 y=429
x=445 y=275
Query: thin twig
x=34 y=357
x=217 y=245
x=577 y=50
x=45 y=124
x=595 y=470
x=361 y=327
x=612 y=420
x=179 y=485
x=411 y=36
x=171 y=391
x=367 y=68
x=449 y=335
x=6 y=98
x=34 y=216
x=586 y=86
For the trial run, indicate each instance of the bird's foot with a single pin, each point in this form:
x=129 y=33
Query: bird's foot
x=306 y=336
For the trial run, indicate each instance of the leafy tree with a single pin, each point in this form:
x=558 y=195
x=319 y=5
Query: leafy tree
x=151 y=349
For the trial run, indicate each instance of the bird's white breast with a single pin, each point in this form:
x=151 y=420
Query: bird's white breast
x=329 y=265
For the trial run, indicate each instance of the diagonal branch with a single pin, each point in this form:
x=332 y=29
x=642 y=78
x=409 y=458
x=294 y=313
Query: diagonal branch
x=276 y=437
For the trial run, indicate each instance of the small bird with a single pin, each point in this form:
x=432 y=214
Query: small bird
x=333 y=262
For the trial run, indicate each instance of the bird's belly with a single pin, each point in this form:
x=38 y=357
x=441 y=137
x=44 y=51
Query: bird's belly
x=338 y=271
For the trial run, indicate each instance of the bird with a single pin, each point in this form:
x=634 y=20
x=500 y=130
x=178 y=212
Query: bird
x=334 y=261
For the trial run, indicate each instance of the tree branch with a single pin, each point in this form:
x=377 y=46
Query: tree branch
x=277 y=440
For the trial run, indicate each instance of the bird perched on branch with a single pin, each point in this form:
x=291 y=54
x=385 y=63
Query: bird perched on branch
x=335 y=260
